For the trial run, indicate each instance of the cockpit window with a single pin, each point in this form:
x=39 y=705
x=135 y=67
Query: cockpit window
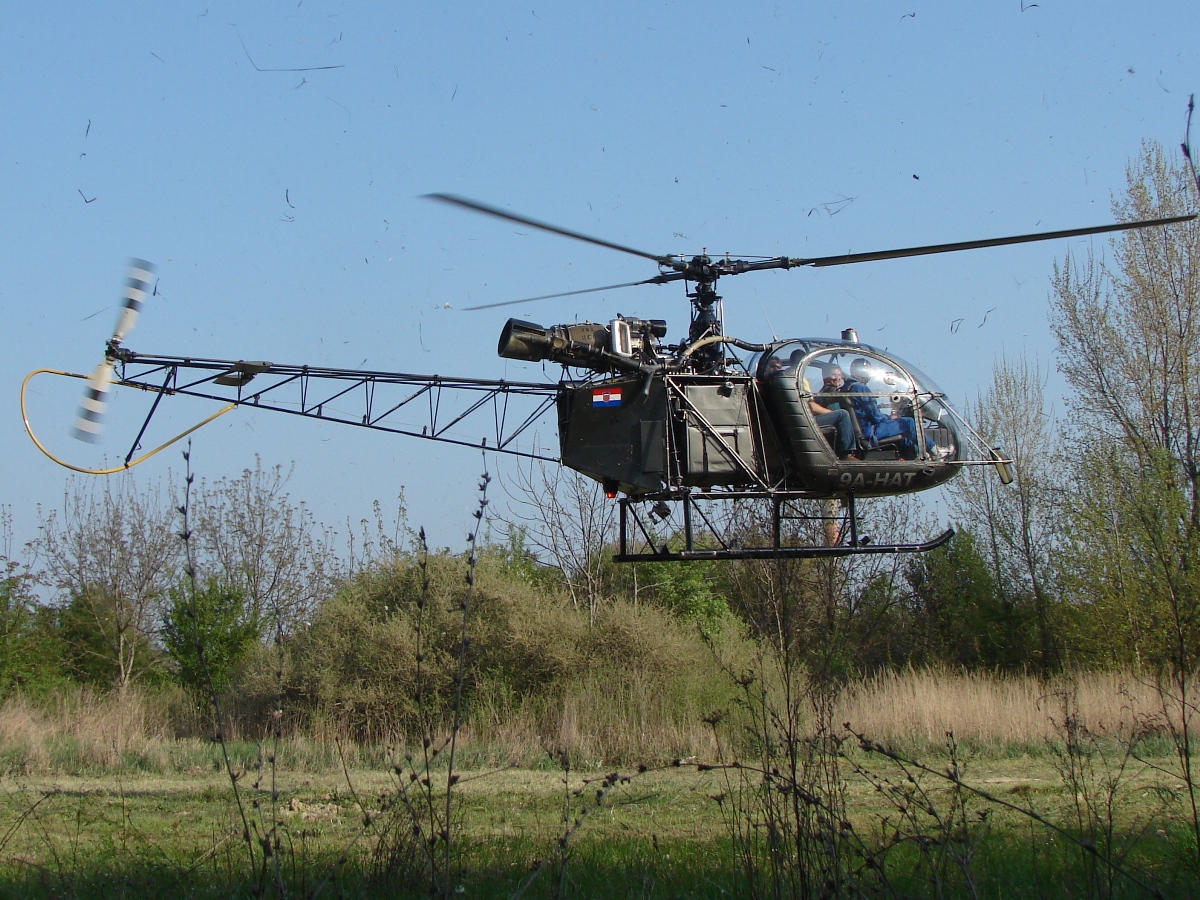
x=895 y=415
x=784 y=358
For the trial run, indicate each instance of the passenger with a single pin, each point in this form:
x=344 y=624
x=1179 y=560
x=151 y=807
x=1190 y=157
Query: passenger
x=838 y=419
x=875 y=424
x=844 y=444
x=833 y=383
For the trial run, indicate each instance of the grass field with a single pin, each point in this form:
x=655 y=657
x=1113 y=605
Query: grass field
x=99 y=799
x=661 y=834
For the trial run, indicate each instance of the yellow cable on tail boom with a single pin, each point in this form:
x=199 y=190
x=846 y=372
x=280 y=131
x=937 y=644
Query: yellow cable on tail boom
x=124 y=466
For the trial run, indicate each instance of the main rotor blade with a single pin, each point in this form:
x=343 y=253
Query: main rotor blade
x=487 y=210
x=657 y=279
x=847 y=258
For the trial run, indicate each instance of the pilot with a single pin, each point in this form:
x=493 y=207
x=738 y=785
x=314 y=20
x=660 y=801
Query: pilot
x=875 y=424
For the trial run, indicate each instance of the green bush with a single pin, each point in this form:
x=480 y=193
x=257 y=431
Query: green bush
x=207 y=632
x=379 y=658
x=30 y=652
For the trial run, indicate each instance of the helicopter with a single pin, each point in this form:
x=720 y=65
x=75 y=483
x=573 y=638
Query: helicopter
x=665 y=428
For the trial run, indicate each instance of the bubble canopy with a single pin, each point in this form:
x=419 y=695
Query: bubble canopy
x=826 y=370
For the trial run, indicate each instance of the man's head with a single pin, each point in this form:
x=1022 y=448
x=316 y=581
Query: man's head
x=834 y=377
x=860 y=370
x=774 y=364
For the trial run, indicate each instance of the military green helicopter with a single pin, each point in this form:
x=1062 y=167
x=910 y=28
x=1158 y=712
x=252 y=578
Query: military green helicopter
x=667 y=429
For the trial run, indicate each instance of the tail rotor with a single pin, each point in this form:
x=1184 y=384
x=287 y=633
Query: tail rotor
x=89 y=422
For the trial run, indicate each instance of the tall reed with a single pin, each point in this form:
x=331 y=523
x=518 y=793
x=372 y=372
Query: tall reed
x=918 y=707
x=600 y=716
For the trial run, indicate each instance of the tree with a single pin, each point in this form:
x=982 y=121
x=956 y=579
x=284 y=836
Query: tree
x=207 y=634
x=564 y=518
x=1129 y=335
x=249 y=536
x=1018 y=524
x=960 y=615
x=687 y=589
x=16 y=629
x=1129 y=338
x=96 y=645
x=112 y=553
x=27 y=657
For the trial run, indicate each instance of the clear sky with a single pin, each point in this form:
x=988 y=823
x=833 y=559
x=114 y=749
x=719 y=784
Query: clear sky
x=269 y=157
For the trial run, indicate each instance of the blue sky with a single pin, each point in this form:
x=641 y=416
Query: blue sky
x=283 y=207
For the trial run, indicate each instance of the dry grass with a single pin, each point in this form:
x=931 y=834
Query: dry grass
x=92 y=730
x=1003 y=711
x=610 y=717
x=600 y=717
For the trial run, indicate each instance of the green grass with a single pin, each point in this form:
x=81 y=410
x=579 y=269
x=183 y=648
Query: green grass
x=140 y=834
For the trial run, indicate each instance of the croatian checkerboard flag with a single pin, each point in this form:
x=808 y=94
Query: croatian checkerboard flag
x=606 y=397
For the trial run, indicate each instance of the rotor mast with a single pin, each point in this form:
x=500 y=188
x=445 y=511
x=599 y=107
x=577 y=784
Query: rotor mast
x=706 y=316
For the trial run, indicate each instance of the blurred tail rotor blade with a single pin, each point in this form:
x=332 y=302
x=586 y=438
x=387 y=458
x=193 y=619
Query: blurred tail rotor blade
x=140 y=273
x=90 y=419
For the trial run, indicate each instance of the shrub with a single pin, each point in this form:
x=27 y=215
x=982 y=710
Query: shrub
x=207 y=634
x=394 y=632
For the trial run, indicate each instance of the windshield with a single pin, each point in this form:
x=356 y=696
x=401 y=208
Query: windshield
x=884 y=394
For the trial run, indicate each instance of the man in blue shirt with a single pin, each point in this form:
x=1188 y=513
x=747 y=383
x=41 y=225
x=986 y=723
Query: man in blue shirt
x=875 y=424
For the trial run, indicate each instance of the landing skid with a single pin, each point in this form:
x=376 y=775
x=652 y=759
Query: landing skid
x=702 y=538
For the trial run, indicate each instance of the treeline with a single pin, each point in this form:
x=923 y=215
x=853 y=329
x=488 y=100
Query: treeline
x=230 y=590
x=1089 y=560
